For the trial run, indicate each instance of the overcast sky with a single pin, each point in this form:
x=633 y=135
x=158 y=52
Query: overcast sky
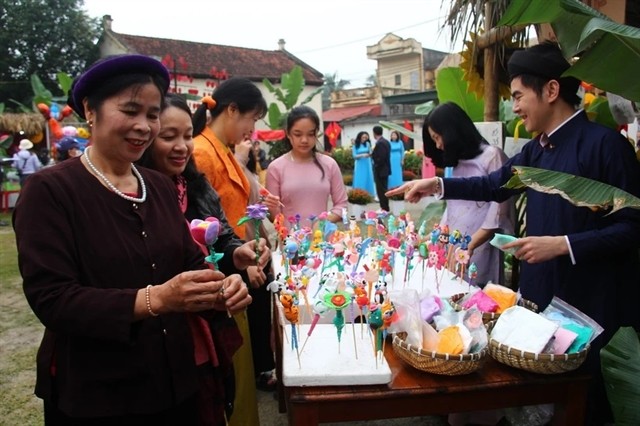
x=330 y=35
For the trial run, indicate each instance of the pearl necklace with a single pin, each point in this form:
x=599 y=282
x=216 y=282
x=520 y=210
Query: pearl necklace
x=112 y=186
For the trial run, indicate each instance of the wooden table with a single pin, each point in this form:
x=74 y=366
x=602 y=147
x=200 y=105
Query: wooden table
x=415 y=393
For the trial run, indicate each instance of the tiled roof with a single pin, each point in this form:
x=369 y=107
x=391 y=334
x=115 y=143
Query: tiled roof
x=253 y=64
x=340 y=114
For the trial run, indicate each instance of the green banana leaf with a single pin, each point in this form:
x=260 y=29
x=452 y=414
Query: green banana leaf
x=577 y=190
x=293 y=83
x=609 y=52
x=620 y=363
x=40 y=92
x=599 y=111
x=65 y=82
x=425 y=108
x=432 y=213
x=452 y=87
x=398 y=128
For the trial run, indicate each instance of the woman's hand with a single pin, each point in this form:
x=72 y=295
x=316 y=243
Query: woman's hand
x=245 y=255
x=234 y=296
x=272 y=202
x=415 y=189
x=257 y=277
x=190 y=291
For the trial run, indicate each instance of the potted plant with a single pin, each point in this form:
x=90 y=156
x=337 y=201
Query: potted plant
x=344 y=158
x=358 y=199
x=347 y=179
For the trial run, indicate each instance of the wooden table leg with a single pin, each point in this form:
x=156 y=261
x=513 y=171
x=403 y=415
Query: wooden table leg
x=277 y=331
x=306 y=414
x=572 y=411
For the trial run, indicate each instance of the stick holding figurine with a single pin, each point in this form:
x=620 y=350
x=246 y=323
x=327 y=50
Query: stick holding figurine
x=257 y=213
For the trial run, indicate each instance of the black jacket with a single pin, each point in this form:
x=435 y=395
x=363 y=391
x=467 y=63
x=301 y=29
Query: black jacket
x=381 y=158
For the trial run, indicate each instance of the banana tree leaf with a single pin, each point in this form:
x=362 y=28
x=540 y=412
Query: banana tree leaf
x=452 y=87
x=577 y=190
x=293 y=83
x=40 y=93
x=398 y=128
x=65 y=82
x=433 y=213
x=620 y=363
x=274 y=115
x=602 y=44
x=312 y=95
x=601 y=112
x=425 y=108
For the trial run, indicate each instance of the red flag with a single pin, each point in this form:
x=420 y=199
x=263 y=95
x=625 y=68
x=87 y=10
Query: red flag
x=407 y=126
x=333 y=131
x=268 y=135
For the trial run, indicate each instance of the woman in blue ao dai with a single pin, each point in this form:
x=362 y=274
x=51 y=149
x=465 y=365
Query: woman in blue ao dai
x=363 y=168
x=397 y=159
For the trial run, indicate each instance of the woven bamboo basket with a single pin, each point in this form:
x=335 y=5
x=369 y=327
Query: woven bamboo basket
x=437 y=363
x=536 y=363
x=491 y=316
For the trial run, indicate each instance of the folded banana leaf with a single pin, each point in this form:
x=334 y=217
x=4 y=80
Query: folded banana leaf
x=402 y=130
x=577 y=190
x=620 y=363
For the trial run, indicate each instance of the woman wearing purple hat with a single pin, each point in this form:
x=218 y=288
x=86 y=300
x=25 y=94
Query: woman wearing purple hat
x=113 y=269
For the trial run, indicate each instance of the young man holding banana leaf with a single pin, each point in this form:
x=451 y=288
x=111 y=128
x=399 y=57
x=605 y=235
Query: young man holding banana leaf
x=587 y=258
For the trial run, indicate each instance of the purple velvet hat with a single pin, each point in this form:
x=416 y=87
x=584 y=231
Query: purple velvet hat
x=109 y=67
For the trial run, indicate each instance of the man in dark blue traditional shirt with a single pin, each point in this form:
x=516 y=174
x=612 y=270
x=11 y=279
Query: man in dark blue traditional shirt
x=587 y=258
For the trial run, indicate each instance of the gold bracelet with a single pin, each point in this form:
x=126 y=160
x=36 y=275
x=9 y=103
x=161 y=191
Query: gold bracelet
x=147 y=296
x=438 y=190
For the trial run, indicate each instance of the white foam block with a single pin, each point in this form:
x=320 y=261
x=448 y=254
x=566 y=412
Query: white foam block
x=324 y=362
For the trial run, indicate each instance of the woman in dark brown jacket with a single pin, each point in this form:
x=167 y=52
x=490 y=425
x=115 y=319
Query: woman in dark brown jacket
x=110 y=268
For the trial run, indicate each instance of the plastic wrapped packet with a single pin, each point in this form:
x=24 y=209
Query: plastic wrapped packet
x=572 y=319
x=472 y=320
x=407 y=304
x=429 y=307
x=500 y=240
x=522 y=329
x=504 y=297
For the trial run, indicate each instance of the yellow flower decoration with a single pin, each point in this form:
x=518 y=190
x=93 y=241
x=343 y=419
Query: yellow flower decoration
x=475 y=82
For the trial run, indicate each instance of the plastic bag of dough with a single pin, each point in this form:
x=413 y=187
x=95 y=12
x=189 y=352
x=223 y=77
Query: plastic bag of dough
x=482 y=301
x=430 y=338
x=504 y=297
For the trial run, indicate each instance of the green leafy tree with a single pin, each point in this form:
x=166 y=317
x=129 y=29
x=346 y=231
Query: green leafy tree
x=44 y=38
x=372 y=81
x=331 y=84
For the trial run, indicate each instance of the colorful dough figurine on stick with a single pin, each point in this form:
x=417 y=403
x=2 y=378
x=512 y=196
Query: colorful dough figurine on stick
x=290 y=305
x=257 y=213
x=337 y=301
x=206 y=233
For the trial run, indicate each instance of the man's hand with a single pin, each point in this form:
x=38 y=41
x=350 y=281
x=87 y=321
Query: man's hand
x=539 y=249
